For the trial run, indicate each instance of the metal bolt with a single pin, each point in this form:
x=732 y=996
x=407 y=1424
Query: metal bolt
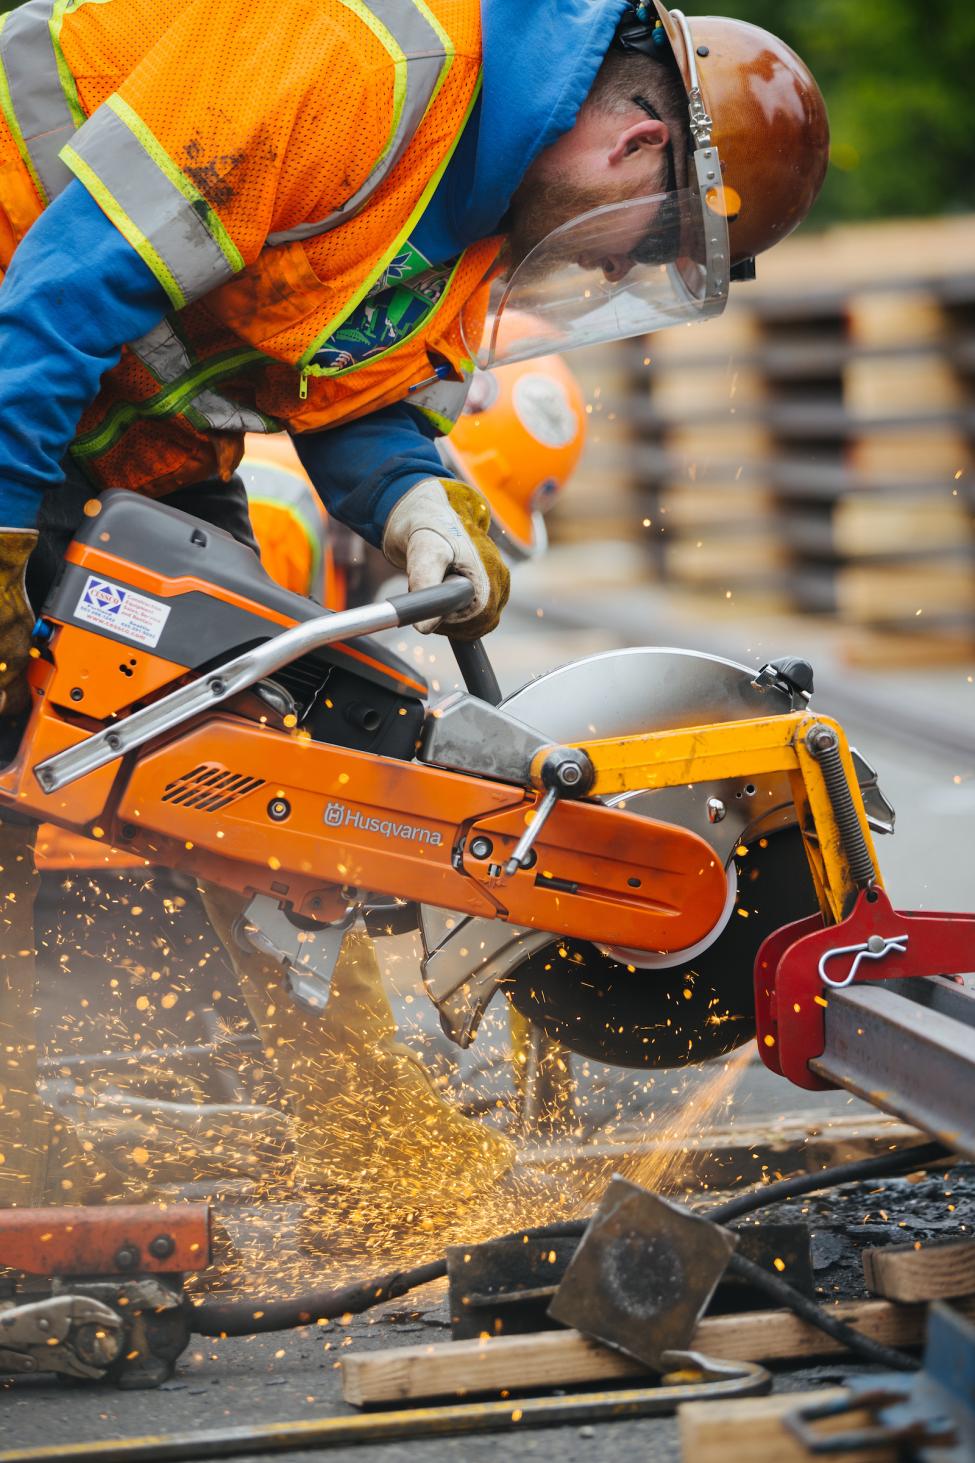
x=127 y=1257
x=717 y=812
x=876 y=944
x=162 y=1246
x=218 y=686
x=128 y=830
x=76 y=693
x=570 y=775
x=114 y=741
x=481 y=847
x=821 y=739
x=278 y=809
x=43 y=1324
x=704 y=50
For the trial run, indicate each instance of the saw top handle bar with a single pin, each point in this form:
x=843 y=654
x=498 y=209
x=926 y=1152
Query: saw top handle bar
x=245 y=670
x=432 y=604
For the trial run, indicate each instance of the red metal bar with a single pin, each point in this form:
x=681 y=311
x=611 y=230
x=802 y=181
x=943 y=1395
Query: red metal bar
x=112 y=1239
x=791 y=997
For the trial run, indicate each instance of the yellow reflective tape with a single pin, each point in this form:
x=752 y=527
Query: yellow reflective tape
x=397 y=55
x=304 y=362
x=155 y=150
x=68 y=85
x=10 y=117
x=293 y=511
x=170 y=402
x=444 y=425
x=126 y=227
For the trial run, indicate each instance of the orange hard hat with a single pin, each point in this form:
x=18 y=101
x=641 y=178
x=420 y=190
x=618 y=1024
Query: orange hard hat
x=759 y=104
x=518 y=441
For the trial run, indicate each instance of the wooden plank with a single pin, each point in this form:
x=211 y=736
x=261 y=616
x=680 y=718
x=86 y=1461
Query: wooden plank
x=565 y=1358
x=933 y=1272
x=750 y=1430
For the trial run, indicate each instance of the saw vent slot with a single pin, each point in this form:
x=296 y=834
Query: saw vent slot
x=210 y=788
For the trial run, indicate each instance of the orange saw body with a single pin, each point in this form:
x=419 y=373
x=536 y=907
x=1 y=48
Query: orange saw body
x=189 y=711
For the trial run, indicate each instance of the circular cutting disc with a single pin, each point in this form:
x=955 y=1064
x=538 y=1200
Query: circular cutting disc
x=697 y=1009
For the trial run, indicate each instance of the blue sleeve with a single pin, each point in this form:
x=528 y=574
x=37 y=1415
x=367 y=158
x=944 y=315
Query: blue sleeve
x=362 y=469
x=74 y=294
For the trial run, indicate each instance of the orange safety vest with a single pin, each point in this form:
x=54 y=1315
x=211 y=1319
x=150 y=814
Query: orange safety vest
x=269 y=160
x=287 y=516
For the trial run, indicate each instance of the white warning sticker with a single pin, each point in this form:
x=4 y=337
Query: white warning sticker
x=122 y=611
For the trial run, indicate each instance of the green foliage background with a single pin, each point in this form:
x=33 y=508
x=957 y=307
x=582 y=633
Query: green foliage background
x=899 y=82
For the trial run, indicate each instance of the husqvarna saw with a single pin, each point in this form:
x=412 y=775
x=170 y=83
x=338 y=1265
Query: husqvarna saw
x=610 y=846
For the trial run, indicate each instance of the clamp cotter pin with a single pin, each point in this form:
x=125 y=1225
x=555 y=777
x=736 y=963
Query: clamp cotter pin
x=873 y=949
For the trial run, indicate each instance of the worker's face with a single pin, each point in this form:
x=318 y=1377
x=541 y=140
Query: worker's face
x=600 y=161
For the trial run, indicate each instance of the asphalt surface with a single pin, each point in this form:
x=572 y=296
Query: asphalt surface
x=914 y=726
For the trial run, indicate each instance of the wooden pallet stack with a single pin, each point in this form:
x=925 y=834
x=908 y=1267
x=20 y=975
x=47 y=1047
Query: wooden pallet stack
x=812 y=450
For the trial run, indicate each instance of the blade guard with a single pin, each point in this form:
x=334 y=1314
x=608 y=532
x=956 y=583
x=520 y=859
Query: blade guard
x=796 y=967
x=601 y=869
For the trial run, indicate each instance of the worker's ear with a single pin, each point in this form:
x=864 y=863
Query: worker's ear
x=646 y=135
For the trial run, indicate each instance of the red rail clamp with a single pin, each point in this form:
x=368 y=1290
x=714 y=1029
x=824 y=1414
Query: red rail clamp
x=798 y=966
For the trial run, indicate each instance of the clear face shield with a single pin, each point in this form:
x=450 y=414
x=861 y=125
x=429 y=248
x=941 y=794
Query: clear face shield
x=621 y=270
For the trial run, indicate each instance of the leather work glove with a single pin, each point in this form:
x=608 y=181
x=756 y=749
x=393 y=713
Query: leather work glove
x=441 y=527
x=16 y=618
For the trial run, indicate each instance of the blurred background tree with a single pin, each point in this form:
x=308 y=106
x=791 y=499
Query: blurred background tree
x=899 y=81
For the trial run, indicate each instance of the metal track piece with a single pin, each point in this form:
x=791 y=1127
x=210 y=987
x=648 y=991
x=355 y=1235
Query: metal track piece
x=907 y=1046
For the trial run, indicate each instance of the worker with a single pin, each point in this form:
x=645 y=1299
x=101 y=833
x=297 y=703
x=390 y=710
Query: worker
x=226 y=215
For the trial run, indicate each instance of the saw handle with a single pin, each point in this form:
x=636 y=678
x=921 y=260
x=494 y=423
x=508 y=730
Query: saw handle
x=432 y=604
x=476 y=670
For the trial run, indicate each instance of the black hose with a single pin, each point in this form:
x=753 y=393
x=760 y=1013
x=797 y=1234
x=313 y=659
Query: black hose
x=885 y=1165
x=809 y=1310
x=247 y=1317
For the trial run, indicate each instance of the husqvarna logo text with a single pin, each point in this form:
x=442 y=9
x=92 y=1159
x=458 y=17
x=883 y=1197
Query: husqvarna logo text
x=340 y=815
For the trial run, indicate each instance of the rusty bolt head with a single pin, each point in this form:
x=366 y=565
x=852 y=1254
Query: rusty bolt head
x=126 y=1257
x=162 y=1246
x=821 y=739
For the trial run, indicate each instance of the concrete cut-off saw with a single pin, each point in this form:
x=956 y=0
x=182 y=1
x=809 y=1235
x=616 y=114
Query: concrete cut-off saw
x=610 y=846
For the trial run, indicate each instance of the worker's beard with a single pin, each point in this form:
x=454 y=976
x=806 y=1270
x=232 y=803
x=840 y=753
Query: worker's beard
x=537 y=209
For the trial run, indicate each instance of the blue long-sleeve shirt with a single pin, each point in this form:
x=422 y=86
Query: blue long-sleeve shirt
x=76 y=291
x=65 y=314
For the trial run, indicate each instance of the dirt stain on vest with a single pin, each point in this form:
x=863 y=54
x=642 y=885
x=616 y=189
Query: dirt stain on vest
x=214 y=176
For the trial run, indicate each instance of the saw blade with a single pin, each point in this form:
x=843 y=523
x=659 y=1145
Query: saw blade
x=699 y=1008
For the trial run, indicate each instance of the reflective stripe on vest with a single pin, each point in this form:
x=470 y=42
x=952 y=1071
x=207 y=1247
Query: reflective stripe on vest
x=165 y=219
x=37 y=93
x=277 y=487
x=163 y=353
x=421 y=52
x=176 y=397
x=442 y=402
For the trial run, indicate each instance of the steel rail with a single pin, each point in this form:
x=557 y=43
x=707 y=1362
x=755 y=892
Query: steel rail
x=907 y=1047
